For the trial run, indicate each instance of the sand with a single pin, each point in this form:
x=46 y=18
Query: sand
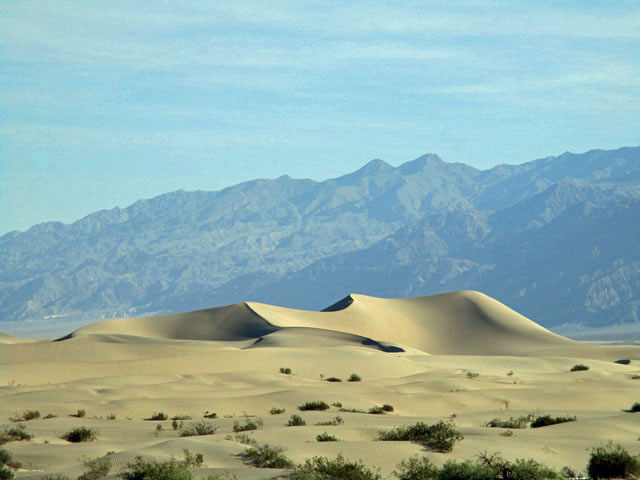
x=419 y=355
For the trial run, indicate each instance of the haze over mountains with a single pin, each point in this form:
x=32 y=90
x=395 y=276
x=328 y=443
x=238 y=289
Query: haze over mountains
x=555 y=239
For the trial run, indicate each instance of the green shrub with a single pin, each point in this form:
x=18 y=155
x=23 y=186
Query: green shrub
x=519 y=422
x=334 y=379
x=30 y=415
x=154 y=470
x=351 y=410
x=387 y=408
x=314 y=406
x=80 y=434
x=296 y=421
x=325 y=437
x=49 y=415
x=15 y=434
x=354 y=377
x=635 y=407
x=183 y=417
x=507 y=433
x=531 y=470
x=333 y=422
x=337 y=404
x=248 y=425
x=579 y=368
x=209 y=415
x=111 y=416
x=471 y=374
x=276 y=411
x=5 y=473
x=54 y=476
x=439 y=437
x=285 y=370
x=81 y=413
x=159 y=416
x=242 y=438
x=96 y=468
x=340 y=468
x=264 y=456
x=466 y=470
x=198 y=428
x=546 y=420
x=192 y=460
x=612 y=461
x=416 y=468
x=377 y=410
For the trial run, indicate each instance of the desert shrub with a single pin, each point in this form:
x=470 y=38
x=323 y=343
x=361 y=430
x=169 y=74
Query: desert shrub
x=529 y=469
x=159 y=416
x=318 y=405
x=194 y=429
x=54 y=476
x=7 y=459
x=387 y=408
x=351 y=410
x=325 y=437
x=30 y=415
x=334 y=422
x=471 y=374
x=192 y=460
x=635 y=407
x=416 y=468
x=81 y=413
x=579 y=368
x=466 y=470
x=182 y=417
x=337 y=404
x=296 y=421
x=340 y=468
x=507 y=433
x=15 y=434
x=242 y=438
x=111 y=416
x=376 y=410
x=612 y=461
x=264 y=456
x=96 y=468
x=334 y=379
x=49 y=415
x=248 y=425
x=209 y=415
x=276 y=411
x=439 y=437
x=154 y=470
x=354 y=377
x=80 y=434
x=510 y=373
x=285 y=370
x=635 y=377
x=519 y=422
x=546 y=420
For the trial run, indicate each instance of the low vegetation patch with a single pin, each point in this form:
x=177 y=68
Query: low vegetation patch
x=325 y=437
x=635 y=407
x=7 y=465
x=376 y=410
x=208 y=414
x=80 y=434
x=276 y=411
x=194 y=429
x=154 y=470
x=351 y=410
x=416 y=468
x=612 y=461
x=111 y=416
x=333 y=422
x=339 y=468
x=15 y=434
x=296 y=421
x=318 y=405
x=285 y=370
x=96 y=468
x=264 y=456
x=49 y=415
x=243 y=438
x=252 y=424
x=81 y=413
x=195 y=460
x=354 y=377
x=30 y=415
x=439 y=437
x=159 y=416
x=334 y=379
x=519 y=422
x=579 y=368
x=182 y=417
x=546 y=420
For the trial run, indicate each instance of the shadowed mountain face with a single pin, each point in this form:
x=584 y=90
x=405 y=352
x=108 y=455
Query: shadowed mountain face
x=556 y=239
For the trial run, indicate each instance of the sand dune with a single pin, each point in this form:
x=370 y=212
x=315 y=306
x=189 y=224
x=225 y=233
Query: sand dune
x=461 y=354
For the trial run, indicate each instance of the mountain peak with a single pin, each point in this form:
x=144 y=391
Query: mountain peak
x=375 y=165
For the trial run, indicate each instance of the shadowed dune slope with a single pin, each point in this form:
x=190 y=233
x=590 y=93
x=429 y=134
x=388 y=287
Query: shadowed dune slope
x=464 y=322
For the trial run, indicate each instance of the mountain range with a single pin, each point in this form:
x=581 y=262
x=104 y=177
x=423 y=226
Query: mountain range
x=556 y=239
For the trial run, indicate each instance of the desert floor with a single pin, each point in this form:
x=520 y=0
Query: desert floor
x=419 y=355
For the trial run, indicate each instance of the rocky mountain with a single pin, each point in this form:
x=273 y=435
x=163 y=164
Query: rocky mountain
x=556 y=239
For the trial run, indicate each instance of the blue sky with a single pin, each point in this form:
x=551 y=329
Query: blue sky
x=103 y=103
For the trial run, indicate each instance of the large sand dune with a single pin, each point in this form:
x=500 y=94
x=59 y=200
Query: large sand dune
x=420 y=355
